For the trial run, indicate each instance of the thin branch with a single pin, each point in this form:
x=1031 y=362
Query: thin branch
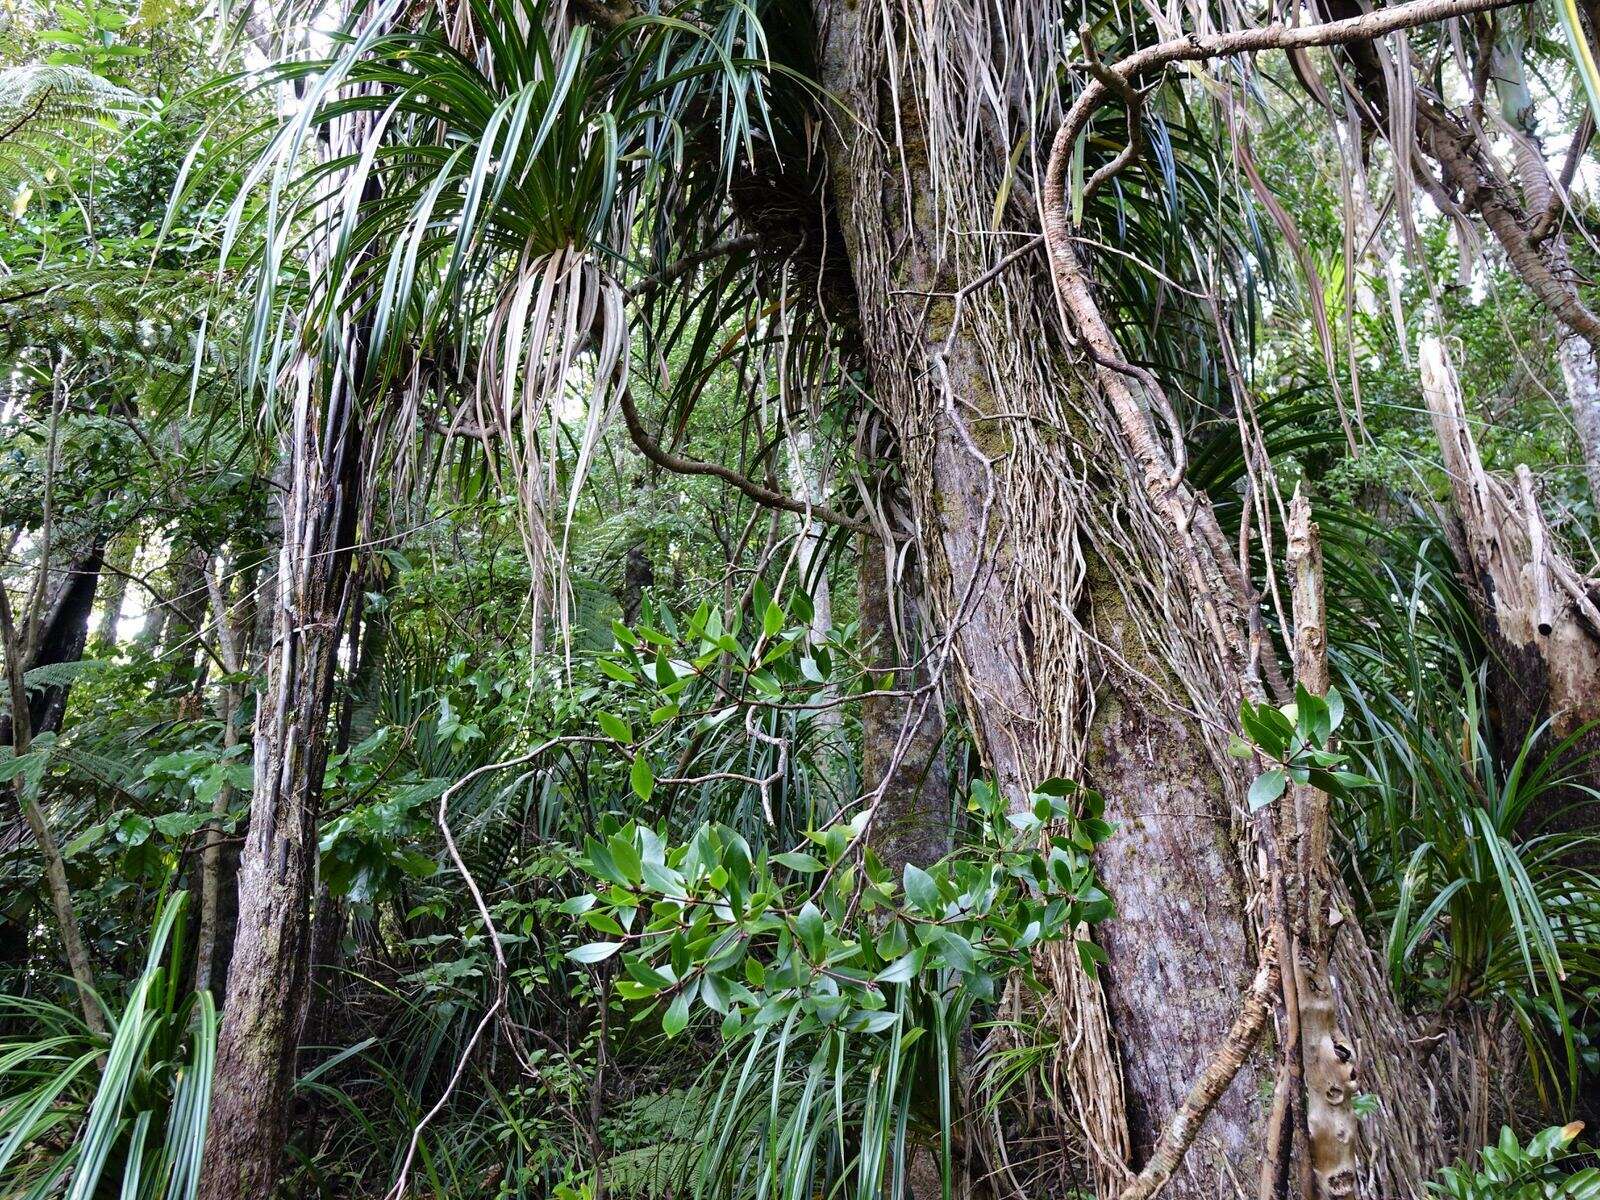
x=1276 y=36
x=653 y=283
x=399 y=1188
x=766 y=496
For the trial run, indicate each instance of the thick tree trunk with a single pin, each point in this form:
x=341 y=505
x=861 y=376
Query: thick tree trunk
x=62 y=639
x=1000 y=517
x=58 y=638
x=1084 y=612
x=902 y=758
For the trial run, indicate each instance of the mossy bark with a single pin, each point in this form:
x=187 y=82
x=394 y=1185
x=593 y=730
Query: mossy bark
x=1082 y=638
x=902 y=752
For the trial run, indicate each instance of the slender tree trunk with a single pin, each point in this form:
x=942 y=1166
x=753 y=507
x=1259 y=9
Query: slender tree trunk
x=61 y=639
x=1581 y=374
x=1094 y=629
x=120 y=555
x=186 y=612
x=255 y=603
x=329 y=914
x=268 y=974
x=234 y=655
x=211 y=859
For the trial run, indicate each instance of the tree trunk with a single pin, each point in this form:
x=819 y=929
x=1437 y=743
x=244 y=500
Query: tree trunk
x=58 y=638
x=120 y=555
x=62 y=639
x=268 y=974
x=254 y=601
x=1574 y=351
x=186 y=612
x=902 y=751
x=1091 y=633
x=1581 y=373
x=1000 y=512
x=213 y=858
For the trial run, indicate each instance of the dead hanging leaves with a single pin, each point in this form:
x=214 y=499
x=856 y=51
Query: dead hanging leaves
x=555 y=352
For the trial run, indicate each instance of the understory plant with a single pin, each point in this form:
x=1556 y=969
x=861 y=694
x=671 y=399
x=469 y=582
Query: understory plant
x=1478 y=900
x=843 y=992
x=83 y=1116
x=1551 y=1166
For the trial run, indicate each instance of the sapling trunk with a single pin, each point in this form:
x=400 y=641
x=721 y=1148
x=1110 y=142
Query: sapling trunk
x=1330 y=1070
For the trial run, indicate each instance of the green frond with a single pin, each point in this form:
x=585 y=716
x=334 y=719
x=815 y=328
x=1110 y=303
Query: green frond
x=47 y=110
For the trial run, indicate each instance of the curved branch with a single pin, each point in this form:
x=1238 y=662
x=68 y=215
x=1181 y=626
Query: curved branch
x=1275 y=36
x=1132 y=101
x=1453 y=150
x=654 y=451
x=1074 y=288
x=653 y=283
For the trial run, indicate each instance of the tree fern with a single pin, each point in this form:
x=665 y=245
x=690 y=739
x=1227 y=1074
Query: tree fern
x=46 y=110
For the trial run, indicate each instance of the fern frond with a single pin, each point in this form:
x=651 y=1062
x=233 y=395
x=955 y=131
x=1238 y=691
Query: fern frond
x=46 y=110
x=96 y=310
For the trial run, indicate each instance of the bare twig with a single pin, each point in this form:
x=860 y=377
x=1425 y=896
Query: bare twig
x=399 y=1188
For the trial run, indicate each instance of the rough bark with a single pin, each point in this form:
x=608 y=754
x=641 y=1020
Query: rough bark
x=1096 y=626
x=902 y=760
x=1328 y=1058
x=1541 y=621
x=268 y=974
x=998 y=508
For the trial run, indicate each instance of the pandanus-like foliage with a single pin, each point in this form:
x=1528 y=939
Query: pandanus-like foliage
x=479 y=227
x=132 y=1108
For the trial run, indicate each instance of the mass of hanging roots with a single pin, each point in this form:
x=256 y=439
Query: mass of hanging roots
x=1070 y=439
